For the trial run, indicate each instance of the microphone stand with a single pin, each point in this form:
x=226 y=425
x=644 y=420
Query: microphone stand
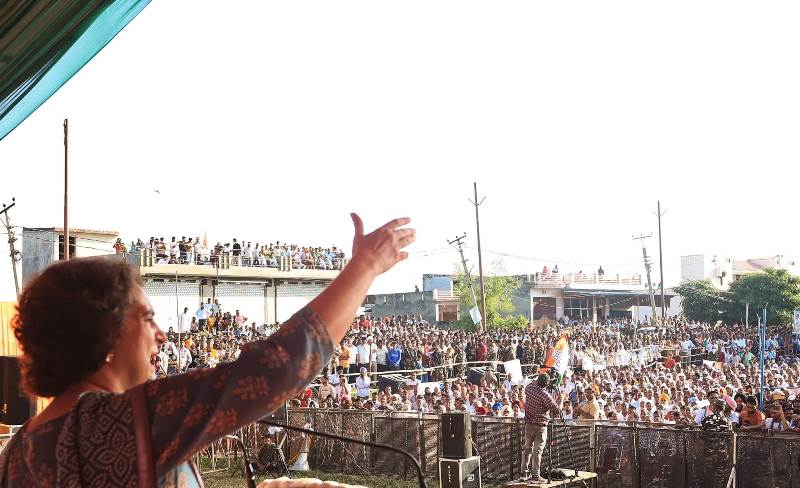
x=248 y=468
x=420 y=476
x=554 y=389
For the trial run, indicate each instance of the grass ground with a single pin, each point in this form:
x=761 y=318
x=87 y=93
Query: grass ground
x=225 y=479
x=233 y=478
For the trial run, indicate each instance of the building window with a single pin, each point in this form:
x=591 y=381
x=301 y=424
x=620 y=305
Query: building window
x=61 y=247
x=578 y=308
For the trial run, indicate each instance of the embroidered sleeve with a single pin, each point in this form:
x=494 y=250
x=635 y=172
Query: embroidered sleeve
x=191 y=410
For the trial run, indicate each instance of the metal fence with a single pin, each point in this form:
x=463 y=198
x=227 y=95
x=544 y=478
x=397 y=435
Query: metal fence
x=623 y=455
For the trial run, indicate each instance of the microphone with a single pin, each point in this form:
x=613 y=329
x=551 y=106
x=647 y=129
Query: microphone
x=420 y=476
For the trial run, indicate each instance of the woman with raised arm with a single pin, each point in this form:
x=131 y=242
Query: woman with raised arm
x=89 y=340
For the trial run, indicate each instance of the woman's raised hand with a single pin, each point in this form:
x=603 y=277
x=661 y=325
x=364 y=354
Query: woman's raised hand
x=382 y=248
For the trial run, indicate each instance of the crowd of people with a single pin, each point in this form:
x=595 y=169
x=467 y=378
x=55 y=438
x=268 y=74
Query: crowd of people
x=678 y=374
x=188 y=250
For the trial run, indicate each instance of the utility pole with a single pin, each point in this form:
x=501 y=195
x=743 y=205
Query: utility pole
x=661 y=266
x=15 y=255
x=647 y=266
x=66 y=186
x=457 y=242
x=762 y=338
x=746 y=315
x=477 y=204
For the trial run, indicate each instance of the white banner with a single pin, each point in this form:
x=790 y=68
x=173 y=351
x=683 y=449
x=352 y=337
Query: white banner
x=514 y=368
x=475 y=314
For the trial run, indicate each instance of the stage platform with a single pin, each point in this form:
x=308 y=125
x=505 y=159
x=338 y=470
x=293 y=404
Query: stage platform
x=583 y=476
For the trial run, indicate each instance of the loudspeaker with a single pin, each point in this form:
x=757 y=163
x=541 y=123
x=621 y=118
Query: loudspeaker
x=460 y=473
x=456 y=435
x=394 y=380
x=16 y=407
x=475 y=375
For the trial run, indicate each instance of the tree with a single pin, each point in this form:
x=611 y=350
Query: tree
x=702 y=301
x=775 y=289
x=500 y=291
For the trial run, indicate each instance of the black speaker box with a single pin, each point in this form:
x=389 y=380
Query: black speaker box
x=456 y=435
x=460 y=473
x=475 y=375
x=394 y=380
x=16 y=406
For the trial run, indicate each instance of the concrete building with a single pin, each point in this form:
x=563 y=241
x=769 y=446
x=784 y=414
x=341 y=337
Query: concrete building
x=540 y=297
x=42 y=246
x=263 y=295
x=724 y=270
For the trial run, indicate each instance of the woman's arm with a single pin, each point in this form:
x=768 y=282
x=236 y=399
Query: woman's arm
x=191 y=410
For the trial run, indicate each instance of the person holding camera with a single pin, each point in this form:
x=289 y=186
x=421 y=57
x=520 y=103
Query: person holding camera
x=538 y=404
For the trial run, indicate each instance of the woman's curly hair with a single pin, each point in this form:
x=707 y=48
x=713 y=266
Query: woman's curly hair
x=69 y=318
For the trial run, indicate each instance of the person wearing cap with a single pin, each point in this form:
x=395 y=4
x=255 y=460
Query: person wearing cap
x=715 y=421
x=538 y=404
x=777 y=420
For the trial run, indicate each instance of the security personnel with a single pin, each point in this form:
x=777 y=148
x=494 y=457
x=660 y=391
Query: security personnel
x=716 y=422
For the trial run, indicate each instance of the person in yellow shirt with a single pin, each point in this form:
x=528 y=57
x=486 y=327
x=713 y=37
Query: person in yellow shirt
x=344 y=356
x=590 y=409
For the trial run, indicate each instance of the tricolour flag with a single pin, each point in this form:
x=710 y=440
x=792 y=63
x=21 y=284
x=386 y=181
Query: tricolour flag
x=557 y=357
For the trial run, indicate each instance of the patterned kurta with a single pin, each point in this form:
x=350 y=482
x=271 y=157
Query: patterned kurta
x=95 y=444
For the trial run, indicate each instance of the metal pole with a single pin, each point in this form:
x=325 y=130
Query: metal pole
x=66 y=187
x=457 y=241
x=178 y=317
x=661 y=267
x=11 y=240
x=480 y=256
x=746 y=315
x=649 y=280
x=761 y=363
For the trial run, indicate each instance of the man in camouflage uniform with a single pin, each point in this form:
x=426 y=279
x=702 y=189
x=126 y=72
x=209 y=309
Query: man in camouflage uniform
x=715 y=425
x=528 y=357
x=460 y=356
x=716 y=422
x=408 y=360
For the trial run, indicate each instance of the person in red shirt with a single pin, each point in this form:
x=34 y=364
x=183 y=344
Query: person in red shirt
x=482 y=352
x=669 y=363
x=538 y=404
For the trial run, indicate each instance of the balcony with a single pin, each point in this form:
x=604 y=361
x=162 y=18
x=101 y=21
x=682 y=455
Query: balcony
x=226 y=266
x=582 y=280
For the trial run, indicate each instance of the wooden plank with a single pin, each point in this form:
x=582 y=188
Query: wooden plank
x=582 y=476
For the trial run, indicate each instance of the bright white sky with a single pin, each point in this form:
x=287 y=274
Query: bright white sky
x=274 y=120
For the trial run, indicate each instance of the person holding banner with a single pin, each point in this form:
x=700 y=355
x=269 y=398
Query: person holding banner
x=538 y=404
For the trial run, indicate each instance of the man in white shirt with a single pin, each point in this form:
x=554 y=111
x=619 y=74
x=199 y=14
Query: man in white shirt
x=185 y=358
x=362 y=350
x=183 y=321
x=362 y=384
x=373 y=356
x=351 y=362
x=380 y=356
x=325 y=391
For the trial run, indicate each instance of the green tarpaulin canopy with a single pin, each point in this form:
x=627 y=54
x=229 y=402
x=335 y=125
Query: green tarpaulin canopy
x=43 y=43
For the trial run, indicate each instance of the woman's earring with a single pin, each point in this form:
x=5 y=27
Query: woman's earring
x=109 y=357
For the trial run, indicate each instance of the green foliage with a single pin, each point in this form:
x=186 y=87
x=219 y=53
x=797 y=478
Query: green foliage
x=517 y=322
x=702 y=301
x=499 y=299
x=774 y=288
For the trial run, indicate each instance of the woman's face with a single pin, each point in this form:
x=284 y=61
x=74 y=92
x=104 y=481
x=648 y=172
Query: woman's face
x=134 y=353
